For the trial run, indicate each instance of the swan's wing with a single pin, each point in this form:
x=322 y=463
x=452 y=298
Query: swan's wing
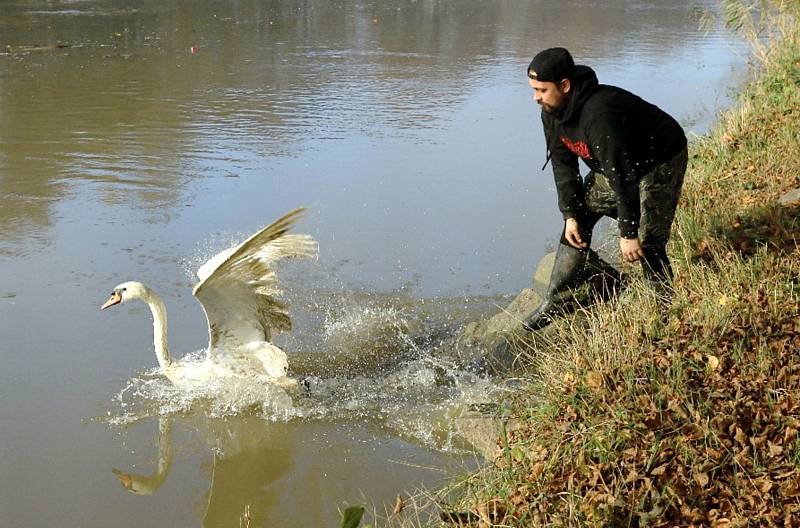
x=238 y=287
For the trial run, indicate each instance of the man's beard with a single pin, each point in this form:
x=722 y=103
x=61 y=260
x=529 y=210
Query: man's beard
x=554 y=110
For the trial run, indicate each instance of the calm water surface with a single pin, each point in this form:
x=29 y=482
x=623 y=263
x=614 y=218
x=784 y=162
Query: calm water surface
x=408 y=128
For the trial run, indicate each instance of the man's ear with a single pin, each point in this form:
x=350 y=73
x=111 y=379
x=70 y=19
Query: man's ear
x=565 y=85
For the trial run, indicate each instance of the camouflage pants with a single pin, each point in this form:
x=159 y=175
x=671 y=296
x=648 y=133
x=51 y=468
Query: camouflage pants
x=659 y=191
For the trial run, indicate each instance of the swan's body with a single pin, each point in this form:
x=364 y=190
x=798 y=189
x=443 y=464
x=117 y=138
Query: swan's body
x=237 y=290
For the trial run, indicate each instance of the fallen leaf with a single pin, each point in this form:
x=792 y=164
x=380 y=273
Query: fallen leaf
x=789 y=434
x=594 y=380
x=399 y=505
x=740 y=436
x=537 y=454
x=490 y=512
x=763 y=485
x=520 y=496
x=701 y=479
x=536 y=470
x=659 y=470
x=712 y=362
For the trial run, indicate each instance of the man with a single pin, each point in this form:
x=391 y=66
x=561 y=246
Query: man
x=637 y=158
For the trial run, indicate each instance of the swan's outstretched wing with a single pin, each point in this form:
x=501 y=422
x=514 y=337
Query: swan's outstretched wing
x=237 y=287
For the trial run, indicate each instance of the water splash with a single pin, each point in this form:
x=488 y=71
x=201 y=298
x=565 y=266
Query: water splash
x=375 y=359
x=388 y=358
x=151 y=394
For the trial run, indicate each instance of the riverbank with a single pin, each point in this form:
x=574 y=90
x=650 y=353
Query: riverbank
x=636 y=415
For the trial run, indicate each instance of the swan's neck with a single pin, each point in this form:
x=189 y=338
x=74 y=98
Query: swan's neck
x=159 y=312
x=164 y=447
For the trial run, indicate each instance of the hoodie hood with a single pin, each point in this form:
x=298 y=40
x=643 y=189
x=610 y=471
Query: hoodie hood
x=584 y=83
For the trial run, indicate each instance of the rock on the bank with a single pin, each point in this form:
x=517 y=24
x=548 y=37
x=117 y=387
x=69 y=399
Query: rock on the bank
x=487 y=333
x=790 y=198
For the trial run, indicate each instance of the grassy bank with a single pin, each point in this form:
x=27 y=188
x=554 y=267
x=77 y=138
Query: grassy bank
x=638 y=415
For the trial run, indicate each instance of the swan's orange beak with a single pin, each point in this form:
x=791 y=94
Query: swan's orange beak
x=124 y=478
x=115 y=298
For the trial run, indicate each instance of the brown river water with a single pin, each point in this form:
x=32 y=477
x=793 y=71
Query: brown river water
x=138 y=138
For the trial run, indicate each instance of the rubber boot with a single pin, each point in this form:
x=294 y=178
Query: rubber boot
x=567 y=270
x=657 y=270
x=655 y=265
x=604 y=279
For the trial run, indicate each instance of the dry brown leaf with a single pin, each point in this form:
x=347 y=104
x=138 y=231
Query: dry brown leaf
x=712 y=362
x=399 y=505
x=659 y=470
x=482 y=509
x=594 y=380
x=632 y=476
x=520 y=496
x=790 y=434
x=536 y=470
x=790 y=489
x=740 y=436
x=774 y=449
x=763 y=484
x=490 y=512
x=693 y=432
x=701 y=479
x=536 y=453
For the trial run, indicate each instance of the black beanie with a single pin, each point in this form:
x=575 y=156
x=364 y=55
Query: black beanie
x=552 y=65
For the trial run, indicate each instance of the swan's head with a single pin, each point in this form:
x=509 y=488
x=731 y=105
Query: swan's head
x=125 y=292
x=137 y=484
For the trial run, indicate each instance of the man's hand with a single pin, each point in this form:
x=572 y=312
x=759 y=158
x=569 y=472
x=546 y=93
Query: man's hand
x=573 y=234
x=631 y=249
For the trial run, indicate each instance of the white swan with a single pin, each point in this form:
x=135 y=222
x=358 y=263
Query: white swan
x=237 y=290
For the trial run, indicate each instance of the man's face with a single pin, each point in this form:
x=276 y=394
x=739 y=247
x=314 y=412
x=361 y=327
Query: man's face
x=549 y=95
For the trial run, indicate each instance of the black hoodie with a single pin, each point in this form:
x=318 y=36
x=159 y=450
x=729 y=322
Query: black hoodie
x=615 y=133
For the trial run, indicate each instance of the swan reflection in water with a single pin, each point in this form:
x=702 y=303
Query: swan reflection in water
x=249 y=457
x=298 y=473
x=149 y=484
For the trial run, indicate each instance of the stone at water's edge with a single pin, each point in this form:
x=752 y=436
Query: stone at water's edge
x=541 y=278
x=487 y=333
x=480 y=431
x=790 y=198
x=492 y=336
x=506 y=322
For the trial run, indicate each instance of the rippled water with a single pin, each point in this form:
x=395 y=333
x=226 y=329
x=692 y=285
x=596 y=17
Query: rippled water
x=138 y=138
